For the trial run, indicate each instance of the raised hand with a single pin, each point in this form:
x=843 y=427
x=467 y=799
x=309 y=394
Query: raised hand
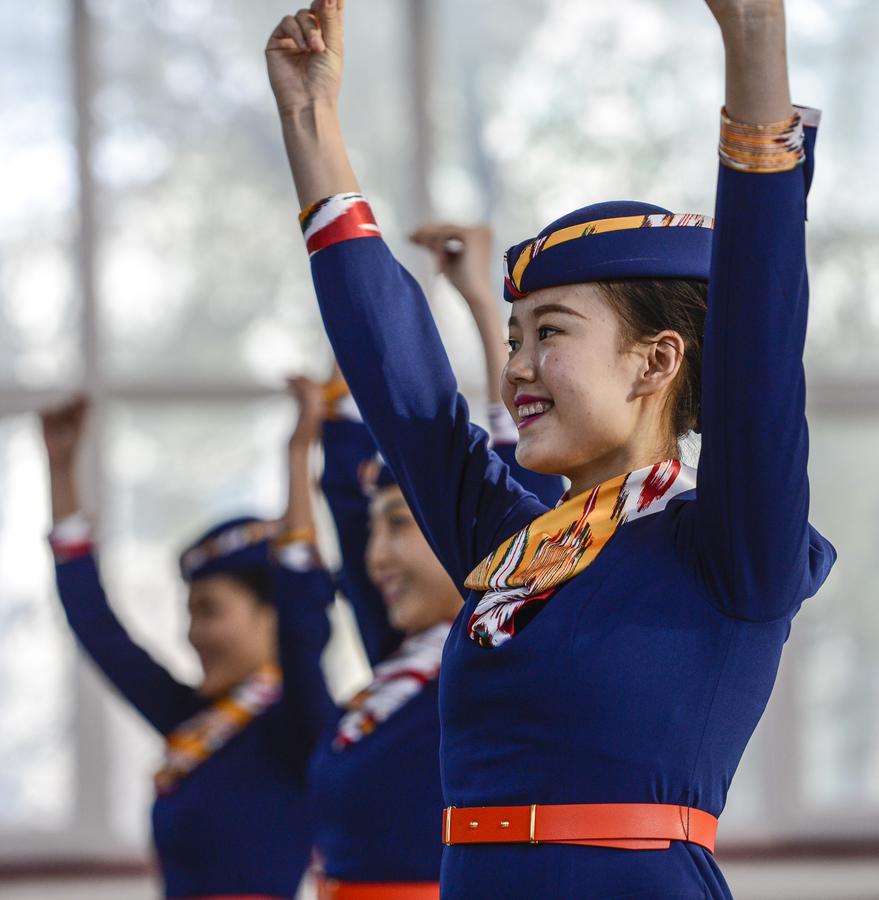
x=757 y=88
x=62 y=432
x=463 y=255
x=304 y=57
x=309 y=397
x=299 y=516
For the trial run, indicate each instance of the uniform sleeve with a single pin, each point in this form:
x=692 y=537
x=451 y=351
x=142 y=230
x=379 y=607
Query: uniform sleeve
x=163 y=701
x=347 y=446
x=756 y=549
x=304 y=592
x=393 y=359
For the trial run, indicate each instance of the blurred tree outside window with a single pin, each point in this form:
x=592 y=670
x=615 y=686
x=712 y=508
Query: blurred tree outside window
x=202 y=303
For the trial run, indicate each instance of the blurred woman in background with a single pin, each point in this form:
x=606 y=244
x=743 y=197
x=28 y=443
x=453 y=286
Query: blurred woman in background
x=230 y=814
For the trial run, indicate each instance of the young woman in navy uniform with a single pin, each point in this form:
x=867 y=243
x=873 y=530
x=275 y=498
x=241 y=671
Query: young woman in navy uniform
x=230 y=817
x=614 y=654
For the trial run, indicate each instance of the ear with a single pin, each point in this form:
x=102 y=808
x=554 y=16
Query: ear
x=662 y=359
x=268 y=616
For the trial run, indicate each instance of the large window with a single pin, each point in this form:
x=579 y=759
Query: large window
x=165 y=277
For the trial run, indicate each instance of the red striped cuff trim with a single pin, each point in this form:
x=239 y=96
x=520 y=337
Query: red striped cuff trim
x=342 y=217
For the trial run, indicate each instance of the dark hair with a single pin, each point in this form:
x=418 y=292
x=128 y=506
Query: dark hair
x=257 y=579
x=648 y=306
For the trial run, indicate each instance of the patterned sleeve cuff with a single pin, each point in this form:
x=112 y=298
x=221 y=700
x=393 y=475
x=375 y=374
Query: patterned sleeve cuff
x=501 y=425
x=72 y=538
x=768 y=148
x=297 y=550
x=332 y=220
x=339 y=404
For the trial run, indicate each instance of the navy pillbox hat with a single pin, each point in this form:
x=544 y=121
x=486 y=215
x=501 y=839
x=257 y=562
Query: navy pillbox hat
x=376 y=474
x=610 y=242
x=232 y=546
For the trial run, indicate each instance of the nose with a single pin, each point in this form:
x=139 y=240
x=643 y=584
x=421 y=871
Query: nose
x=193 y=633
x=376 y=553
x=520 y=367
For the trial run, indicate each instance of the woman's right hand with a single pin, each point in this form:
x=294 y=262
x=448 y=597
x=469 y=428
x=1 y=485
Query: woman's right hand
x=62 y=431
x=463 y=255
x=304 y=57
x=309 y=397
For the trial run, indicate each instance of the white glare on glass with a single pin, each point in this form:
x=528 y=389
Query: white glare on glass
x=39 y=307
x=202 y=272
x=36 y=701
x=839 y=629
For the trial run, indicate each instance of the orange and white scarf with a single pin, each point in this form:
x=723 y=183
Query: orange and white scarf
x=198 y=738
x=396 y=681
x=532 y=564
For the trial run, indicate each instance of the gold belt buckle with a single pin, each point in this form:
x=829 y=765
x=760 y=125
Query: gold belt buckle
x=533 y=825
x=447 y=837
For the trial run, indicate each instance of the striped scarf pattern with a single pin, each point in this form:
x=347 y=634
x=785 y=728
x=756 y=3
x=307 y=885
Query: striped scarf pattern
x=395 y=682
x=199 y=738
x=530 y=566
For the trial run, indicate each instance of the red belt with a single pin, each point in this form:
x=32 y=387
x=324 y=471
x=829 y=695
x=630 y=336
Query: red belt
x=330 y=889
x=627 y=826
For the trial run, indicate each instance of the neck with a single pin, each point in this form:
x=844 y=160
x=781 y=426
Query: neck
x=446 y=620
x=621 y=460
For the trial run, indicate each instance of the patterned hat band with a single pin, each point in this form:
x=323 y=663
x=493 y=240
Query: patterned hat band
x=518 y=260
x=374 y=474
x=231 y=540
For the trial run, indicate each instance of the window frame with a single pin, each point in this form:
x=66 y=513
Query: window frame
x=784 y=815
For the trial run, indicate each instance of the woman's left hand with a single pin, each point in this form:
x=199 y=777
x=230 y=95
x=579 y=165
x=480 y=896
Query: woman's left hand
x=463 y=255
x=309 y=398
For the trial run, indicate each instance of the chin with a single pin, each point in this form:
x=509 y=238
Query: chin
x=210 y=688
x=404 y=623
x=538 y=456
x=409 y=621
x=216 y=684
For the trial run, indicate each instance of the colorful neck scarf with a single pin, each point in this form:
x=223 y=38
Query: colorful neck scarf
x=198 y=738
x=395 y=682
x=531 y=565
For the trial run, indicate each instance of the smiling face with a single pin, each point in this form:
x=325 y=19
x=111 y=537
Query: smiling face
x=588 y=404
x=232 y=630
x=416 y=589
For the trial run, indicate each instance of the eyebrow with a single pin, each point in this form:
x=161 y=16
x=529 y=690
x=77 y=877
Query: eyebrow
x=395 y=505
x=556 y=308
x=546 y=308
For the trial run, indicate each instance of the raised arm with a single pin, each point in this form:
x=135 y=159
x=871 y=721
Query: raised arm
x=348 y=447
x=757 y=550
x=162 y=700
x=378 y=320
x=304 y=592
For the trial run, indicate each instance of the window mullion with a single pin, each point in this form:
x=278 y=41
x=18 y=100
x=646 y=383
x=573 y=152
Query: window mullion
x=90 y=729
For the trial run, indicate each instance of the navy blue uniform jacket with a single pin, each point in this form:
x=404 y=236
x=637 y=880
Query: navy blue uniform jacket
x=378 y=802
x=238 y=824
